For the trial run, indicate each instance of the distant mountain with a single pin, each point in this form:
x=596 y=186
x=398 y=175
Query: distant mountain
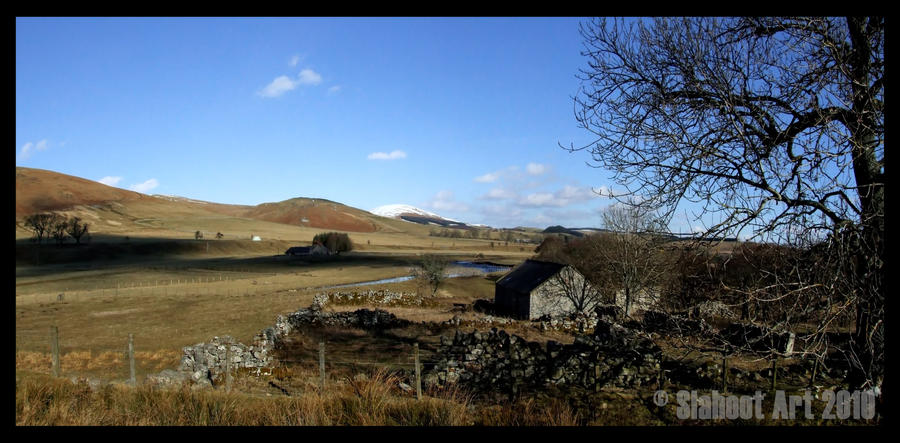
x=561 y=230
x=415 y=215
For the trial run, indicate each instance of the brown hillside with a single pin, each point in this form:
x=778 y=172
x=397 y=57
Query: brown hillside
x=39 y=190
x=121 y=212
x=314 y=213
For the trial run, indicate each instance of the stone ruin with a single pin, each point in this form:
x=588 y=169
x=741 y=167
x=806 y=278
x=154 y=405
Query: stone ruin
x=616 y=355
x=203 y=363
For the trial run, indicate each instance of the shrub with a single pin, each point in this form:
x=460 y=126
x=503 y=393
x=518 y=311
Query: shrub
x=337 y=242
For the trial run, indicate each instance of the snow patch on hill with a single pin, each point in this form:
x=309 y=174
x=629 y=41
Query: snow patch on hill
x=396 y=210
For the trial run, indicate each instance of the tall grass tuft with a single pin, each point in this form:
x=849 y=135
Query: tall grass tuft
x=373 y=401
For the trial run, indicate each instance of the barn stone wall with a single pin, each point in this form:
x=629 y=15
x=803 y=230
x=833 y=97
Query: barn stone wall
x=549 y=299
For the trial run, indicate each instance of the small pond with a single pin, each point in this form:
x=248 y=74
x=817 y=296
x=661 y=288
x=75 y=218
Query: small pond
x=456 y=269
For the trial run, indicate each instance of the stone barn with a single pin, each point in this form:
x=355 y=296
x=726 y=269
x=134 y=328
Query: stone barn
x=316 y=249
x=533 y=289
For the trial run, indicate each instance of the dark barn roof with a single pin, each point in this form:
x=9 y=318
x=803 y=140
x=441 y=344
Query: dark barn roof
x=529 y=275
x=298 y=250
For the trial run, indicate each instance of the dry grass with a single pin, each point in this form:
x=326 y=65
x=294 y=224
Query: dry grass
x=370 y=401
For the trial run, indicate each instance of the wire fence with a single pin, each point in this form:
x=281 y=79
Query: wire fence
x=198 y=286
x=45 y=352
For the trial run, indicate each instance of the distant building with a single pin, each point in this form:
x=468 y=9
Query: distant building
x=255 y=238
x=532 y=290
x=316 y=249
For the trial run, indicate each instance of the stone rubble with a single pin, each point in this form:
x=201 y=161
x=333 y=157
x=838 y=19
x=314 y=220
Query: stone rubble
x=375 y=296
x=205 y=362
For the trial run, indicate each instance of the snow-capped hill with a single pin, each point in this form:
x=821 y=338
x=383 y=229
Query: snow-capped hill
x=394 y=211
x=414 y=214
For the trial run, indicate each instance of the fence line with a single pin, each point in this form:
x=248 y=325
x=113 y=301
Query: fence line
x=57 y=369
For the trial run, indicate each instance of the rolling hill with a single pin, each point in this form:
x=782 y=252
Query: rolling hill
x=116 y=211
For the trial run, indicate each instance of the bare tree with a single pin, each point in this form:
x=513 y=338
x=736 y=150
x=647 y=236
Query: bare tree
x=40 y=224
x=198 y=235
x=59 y=226
x=430 y=272
x=631 y=252
x=76 y=229
x=770 y=124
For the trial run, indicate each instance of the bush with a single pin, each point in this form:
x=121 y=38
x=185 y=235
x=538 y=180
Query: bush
x=337 y=242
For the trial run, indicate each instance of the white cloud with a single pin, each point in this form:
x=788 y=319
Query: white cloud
x=444 y=201
x=334 y=89
x=29 y=147
x=563 y=197
x=278 y=86
x=294 y=60
x=541 y=199
x=26 y=150
x=309 y=77
x=488 y=178
x=499 y=194
x=384 y=156
x=110 y=180
x=573 y=193
x=145 y=186
x=536 y=168
x=283 y=83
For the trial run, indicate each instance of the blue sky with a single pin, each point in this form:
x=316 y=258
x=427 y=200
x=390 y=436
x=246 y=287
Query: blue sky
x=459 y=116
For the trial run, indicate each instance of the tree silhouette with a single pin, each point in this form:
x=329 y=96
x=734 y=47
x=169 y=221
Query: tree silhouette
x=775 y=126
x=76 y=229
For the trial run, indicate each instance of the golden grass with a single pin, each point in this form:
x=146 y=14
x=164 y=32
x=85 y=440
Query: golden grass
x=369 y=401
x=98 y=363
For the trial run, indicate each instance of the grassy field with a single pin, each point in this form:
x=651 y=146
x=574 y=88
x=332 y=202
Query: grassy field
x=172 y=293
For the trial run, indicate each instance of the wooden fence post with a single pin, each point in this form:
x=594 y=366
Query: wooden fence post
x=54 y=351
x=228 y=366
x=322 y=366
x=132 y=379
x=418 y=373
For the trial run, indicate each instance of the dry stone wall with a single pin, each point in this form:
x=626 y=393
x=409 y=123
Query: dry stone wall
x=204 y=362
x=495 y=360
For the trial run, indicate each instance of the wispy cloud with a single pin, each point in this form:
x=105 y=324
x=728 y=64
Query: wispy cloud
x=394 y=155
x=283 y=83
x=499 y=194
x=536 y=168
x=444 y=201
x=110 y=180
x=563 y=197
x=541 y=199
x=491 y=177
x=29 y=148
x=488 y=178
x=294 y=60
x=145 y=186
x=334 y=89
x=278 y=86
